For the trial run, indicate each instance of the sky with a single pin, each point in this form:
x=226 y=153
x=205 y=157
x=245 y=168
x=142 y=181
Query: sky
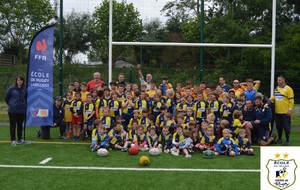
x=148 y=9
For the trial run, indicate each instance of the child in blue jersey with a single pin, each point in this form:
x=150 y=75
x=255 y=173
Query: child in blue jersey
x=189 y=115
x=156 y=105
x=196 y=139
x=185 y=146
x=107 y=120
x=152 y=139
x=151 y=123
x=144 y=121
x=208 y=141
x=117 y=137
x=226 y=145
x=88 y=116
x=243 y=143
x=200 y=109
x=99 y=136
x=114 y=105
x=161 y=117
x=165 y=140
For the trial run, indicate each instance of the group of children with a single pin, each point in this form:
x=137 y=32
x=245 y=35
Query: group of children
x=121 y=118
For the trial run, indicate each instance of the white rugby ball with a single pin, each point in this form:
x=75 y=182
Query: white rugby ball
x=154 y=152
x=102 y=152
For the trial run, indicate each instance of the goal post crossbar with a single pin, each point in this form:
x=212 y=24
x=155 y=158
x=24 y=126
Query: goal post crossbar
x=191 y=44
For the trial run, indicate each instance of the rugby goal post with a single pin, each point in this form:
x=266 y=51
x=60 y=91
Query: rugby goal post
x=272 y=45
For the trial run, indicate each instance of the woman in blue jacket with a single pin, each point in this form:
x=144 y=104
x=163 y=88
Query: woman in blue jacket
x=15 y=98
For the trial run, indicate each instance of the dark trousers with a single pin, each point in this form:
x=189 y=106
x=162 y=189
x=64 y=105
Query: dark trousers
x=16 y=119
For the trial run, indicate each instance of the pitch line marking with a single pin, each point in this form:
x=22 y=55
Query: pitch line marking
x=45 y=161
x=128 y=169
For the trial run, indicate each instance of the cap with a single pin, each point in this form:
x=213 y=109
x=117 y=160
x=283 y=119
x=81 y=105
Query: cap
x=58 y=98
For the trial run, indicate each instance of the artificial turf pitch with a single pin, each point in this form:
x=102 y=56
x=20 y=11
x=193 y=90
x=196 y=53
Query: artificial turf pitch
x=74 y=166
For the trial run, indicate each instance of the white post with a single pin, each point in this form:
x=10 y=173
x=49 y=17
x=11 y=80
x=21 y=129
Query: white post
x=110 y=42
x=273 y=48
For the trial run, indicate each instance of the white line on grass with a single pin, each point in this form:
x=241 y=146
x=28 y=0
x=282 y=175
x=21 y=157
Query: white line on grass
x=127 y=169
x=45 y=161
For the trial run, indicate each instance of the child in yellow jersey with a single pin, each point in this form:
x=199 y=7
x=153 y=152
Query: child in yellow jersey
x=107 y=120
x=237 y=124
x=131 y=136
x=177 y=138
x=156 y=105
x=84 y=92
x=114 y=105
x=243 y=143
x=100 y=104
x=68 y=113
x=152 y=139
x=136 y=115
x=208 y=141
x=200 y=109
x=189 y=115
x=165 y=140
x=77 y=110
x=161 y=117
x=117 y=137
x=211 y=121
x=121 y=94
x=180 y=120
x=88 y=114
x=193 y=125
x=168 y=122
x=181 y=107
x=141 y=139
x=127 y=107
x=144 y=121
x=141 y=103
x=95 y=96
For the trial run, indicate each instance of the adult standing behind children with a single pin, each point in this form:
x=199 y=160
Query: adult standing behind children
x=15 y=98
x=148 y=77
x=95 y=82
x=225 y=87
x=284 y=104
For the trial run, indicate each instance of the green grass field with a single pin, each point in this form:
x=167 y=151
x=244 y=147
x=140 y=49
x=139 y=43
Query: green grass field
x=86 y=168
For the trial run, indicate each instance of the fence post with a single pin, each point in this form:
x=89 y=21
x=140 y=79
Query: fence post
x=130 y=74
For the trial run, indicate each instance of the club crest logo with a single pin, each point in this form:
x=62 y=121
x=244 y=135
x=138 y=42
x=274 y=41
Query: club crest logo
x=36 y=112
x=281 y=171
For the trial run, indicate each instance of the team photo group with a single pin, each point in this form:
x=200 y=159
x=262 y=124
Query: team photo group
x=180 y=119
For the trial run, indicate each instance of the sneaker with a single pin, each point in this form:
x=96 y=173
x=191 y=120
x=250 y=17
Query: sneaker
x=94 y=149
x=174 y=153
x=188 y=156
x=166 y=151
x=21 y=141
x=62 y=137
x=217 y=153
x=287 y=143
x=274 y=136
x=38 y=133
x=279 y=141
x=74 y=138
x=13 y=143
x=124 y=149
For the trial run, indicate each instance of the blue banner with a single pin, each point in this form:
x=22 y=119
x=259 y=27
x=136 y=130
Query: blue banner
x=40 y=79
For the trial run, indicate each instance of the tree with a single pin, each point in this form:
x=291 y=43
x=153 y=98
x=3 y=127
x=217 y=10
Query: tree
x=20 y=20
x=75 y=37
x=126 y=27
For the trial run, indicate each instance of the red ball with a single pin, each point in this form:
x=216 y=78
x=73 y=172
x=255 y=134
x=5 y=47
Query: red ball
x=133 y=151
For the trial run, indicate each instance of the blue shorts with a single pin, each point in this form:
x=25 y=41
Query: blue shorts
x=88 y=123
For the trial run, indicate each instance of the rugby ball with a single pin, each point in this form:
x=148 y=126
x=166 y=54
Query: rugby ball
x=102 y=152
x=144 y=161
x=133 y=151
x=208 y=154
x=154 y=152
